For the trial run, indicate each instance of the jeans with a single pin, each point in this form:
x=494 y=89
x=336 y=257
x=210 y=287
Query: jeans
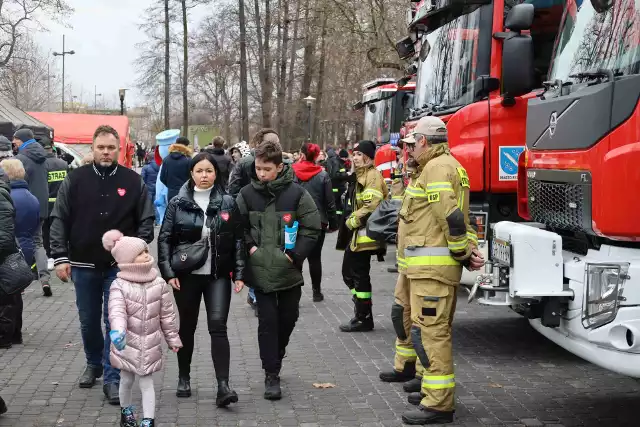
x=217 y=298
x=277 y=316
x=92 y=299
x=252 y=294
x=41 y=255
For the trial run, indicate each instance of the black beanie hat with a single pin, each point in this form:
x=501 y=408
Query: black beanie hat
x=367 y=148
x=24 y=134
x=344 y=153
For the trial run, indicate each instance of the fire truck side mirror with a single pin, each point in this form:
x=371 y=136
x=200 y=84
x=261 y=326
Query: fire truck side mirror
x=519 y=18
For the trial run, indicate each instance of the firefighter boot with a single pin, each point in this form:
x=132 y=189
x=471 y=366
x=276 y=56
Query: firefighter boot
x=415 y=398
x=422 y=416
x=363 y=320
x=413 y=385
x=394 y=376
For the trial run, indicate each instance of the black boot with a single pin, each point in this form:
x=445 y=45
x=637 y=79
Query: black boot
x=394 y=376
x=424 y=415
x=317 y=294
x=112 y=393
x=3 y=406
x=184 y=387
x=89 y=376
x=147 y=422
x=412 y=386
x=415 y=398
x=225 y=396
x=127 y=417
x=272 y=389
x=363 y=320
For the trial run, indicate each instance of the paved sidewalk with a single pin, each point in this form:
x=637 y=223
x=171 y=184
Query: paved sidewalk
x=506 y=373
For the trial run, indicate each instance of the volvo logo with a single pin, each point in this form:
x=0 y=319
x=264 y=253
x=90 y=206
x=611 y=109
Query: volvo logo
x=553 y=122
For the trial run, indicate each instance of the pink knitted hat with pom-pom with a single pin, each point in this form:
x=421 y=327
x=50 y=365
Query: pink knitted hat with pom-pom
x=124 y=249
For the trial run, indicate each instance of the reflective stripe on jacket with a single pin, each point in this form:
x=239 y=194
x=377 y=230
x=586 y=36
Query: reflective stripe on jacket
x=434 y=234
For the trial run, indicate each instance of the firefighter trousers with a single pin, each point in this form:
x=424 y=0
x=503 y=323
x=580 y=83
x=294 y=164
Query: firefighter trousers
x=356 y=268
x=401 y=319
x=432 y=308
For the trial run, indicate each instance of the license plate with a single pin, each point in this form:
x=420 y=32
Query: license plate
x=501 y=252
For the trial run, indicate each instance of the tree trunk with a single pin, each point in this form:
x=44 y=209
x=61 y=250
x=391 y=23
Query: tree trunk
x=167 y=75
x=307 y=77
x=244 y=135
x=283 y=68
x=321 y=66
x=185 y=76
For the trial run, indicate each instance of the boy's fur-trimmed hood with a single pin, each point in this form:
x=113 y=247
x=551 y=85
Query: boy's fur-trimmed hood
x=183 y=149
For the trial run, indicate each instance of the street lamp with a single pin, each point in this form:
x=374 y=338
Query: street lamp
x=63 y=54
x=122 y=93
x=309 y=100
x=95 y=97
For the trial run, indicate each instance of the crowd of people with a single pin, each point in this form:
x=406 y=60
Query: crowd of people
x=249 y=215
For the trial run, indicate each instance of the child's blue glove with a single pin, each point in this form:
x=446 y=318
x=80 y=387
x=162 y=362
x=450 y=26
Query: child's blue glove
x=119 y=339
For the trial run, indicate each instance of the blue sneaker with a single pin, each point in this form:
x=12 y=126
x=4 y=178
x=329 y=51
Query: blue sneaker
x=127 y=417
x=147 y=422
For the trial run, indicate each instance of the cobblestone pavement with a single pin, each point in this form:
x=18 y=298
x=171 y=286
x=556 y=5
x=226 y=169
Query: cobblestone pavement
x=506 y=373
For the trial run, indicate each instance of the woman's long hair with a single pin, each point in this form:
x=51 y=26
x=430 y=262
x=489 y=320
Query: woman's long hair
x=204 y=155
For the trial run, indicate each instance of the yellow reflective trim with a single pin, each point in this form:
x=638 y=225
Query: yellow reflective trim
x=431 y=260
x=439 y=386
x=438 y=382
x=56 y=176
x=473 y=237
x=458 y=246
x=406 y=352
x=397 y=197
x=52 y=199
x=439 y=186
x=373 y=193
x=464 y=178
x=342 y=170
x=428 y=378
x=461 y=201
x=367 y=197
x=364 y=239
x=338 y=212
x=415 y=191
x=335 y=190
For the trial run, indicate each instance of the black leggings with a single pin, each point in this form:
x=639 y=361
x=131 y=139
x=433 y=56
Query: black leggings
x=217 y=297
x=315 y=263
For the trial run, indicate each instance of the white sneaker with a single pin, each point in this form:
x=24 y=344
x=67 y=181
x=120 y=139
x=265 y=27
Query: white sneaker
x=50 y=264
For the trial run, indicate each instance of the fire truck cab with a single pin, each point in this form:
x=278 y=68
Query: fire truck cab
x=574 y=271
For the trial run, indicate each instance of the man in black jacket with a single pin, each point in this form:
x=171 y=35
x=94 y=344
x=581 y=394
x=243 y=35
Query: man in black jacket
x=33 y=157
x=94 y=199
x=175 y=167
x=223 y=160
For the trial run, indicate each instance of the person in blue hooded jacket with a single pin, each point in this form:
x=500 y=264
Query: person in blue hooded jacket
x=150 y=176
x=26 y=223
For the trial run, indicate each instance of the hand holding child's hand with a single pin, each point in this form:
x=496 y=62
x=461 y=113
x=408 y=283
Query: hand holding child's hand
x=239 y=286
x=175 y=283
x=175 y=349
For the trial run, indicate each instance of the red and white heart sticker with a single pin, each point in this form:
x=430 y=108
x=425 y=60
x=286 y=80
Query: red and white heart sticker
x=122 y=192
x=286 y=217
x=224 y=216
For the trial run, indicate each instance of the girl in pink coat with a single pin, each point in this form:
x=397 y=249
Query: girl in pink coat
x=141 y=315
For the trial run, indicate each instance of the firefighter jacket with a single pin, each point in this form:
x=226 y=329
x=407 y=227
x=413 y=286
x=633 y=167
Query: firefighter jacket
x=435 y=238
x=369 y=190
x=397 y=184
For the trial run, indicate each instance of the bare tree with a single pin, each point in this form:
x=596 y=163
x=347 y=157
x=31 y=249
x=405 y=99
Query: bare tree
x=27 y=79
x=14 y=16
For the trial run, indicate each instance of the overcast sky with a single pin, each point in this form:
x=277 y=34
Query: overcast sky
x=103 y=34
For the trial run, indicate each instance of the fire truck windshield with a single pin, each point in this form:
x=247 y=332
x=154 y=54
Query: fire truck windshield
x=446 y=76
x=377 y=118
x=598 y=34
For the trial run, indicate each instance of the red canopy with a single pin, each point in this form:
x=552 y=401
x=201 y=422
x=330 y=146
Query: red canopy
x=72 y=128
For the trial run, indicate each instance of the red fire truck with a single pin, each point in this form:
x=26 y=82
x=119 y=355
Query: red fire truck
x=458 y=49
x=575 y=271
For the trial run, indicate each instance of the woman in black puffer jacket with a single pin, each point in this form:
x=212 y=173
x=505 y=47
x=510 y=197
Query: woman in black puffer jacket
x=202 y=210
x=7 y=247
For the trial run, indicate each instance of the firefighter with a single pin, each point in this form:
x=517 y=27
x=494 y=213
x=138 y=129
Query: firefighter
x=435 y=240
x=365 y=194
x=56 y=173
x=406 y=366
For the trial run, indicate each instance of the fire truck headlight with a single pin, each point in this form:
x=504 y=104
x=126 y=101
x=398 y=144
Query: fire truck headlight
x=604 y=284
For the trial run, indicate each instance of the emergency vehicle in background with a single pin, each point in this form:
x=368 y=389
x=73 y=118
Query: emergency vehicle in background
x=575 y=270
x=458 y=49
x=386 y=106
